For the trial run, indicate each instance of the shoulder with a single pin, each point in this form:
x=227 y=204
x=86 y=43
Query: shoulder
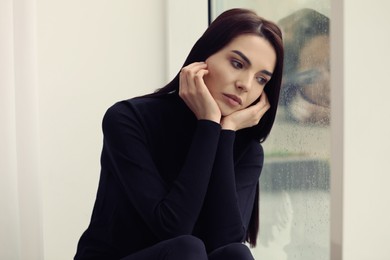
x=126 y=112
x=135 y=104
x=138 y=107
x=149 y=113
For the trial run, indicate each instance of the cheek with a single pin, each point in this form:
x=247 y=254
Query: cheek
x=214 y=78
x=209 y=81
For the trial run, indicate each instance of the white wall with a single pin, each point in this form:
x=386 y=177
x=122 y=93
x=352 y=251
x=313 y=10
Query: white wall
x=90 y=55
x=186 y=22
x=360 y=91
x=366 y=225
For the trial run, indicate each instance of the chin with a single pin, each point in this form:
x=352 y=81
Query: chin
x=226 y=112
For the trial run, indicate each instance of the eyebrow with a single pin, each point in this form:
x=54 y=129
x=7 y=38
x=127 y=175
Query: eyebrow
x=246 y=59
x=242 y=55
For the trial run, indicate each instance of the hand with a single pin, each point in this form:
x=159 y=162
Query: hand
x=195 y=93
x=247 y=117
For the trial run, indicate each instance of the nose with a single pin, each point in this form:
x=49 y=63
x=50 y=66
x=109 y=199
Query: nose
x=244 y=83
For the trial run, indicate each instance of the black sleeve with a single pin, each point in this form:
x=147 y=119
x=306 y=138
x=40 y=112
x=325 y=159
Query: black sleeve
x=167 y=211
x=231 y=193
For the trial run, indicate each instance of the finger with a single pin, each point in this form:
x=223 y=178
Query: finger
x=190 y=72
x=263 y=102
x=260 y=108
x=182 y=79
x=198 y=79
x=183 y=85
x=193 y=67
x=263 y=98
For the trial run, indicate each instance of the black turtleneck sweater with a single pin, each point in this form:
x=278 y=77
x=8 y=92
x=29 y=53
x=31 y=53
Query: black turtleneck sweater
x=164 y=174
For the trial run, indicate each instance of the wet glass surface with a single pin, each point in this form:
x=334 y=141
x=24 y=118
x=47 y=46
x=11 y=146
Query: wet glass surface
x=294 y=185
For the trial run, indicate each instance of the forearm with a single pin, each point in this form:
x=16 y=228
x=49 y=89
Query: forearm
x=231 y=193
x=185 y=199
x=221 y=209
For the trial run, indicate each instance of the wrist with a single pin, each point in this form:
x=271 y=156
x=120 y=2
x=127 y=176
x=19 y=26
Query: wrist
x=227 y=125
x=215 y=117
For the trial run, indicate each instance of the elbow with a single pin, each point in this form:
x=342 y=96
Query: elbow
x=165 y=232
x=227 y=236
x=169 y=225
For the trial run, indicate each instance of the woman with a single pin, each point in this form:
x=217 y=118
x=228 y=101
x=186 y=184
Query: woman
x=180 y=167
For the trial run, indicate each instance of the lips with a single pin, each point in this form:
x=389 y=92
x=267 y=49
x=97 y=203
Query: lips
x=233 y=99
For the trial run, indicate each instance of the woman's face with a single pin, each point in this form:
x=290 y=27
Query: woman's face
x=238 y=72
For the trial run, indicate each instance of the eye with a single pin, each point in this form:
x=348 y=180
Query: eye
x=261 y=80
x=237 y=64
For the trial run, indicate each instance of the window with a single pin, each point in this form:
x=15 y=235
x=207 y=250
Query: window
x=294 y=184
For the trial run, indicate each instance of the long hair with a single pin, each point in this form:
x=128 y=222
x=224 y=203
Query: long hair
x=226 y=27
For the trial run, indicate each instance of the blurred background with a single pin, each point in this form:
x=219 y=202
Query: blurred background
x=324 y=192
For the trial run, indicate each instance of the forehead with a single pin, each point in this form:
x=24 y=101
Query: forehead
x=257 y=49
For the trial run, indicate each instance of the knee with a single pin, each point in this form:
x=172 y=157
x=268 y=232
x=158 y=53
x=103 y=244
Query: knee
x=188 y=247
x=239 y=251
x=232 y=251
x=190 y=242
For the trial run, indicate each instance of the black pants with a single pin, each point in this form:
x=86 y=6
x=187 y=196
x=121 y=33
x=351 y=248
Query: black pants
x=190 y=248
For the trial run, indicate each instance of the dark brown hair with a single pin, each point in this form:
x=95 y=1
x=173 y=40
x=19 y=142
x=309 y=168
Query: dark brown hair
x=227 y=26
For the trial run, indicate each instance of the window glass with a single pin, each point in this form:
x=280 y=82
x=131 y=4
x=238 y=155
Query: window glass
x=294 y=184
